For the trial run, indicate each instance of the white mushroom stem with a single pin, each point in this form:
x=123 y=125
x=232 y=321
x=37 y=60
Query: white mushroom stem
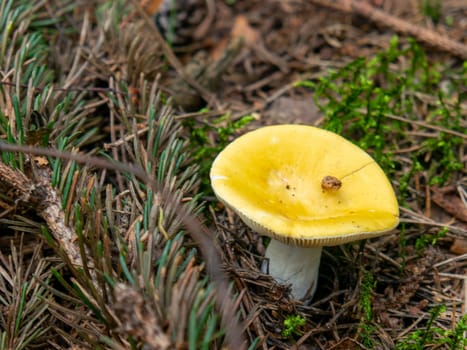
x=294 y=265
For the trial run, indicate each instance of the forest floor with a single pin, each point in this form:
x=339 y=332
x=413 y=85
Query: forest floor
x=95 y=259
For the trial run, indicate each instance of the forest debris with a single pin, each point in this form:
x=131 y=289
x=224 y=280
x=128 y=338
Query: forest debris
x=151 y=6
x=446 y=198
x=45 y=199
x=424 y=35
x=207 y=73
x=173 y=60
x=242 y=29
x=137 y=319
x=459 y=246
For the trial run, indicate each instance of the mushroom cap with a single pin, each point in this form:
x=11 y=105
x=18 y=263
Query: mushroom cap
x=272 y=178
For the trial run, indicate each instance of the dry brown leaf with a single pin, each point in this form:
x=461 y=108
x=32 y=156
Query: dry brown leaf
x=448 y=199
x=151 y=6
x=41 y=161
x=459 y=246
x=242 y=29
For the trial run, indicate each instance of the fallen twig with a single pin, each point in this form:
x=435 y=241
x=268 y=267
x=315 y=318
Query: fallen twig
x=424 y=35
x=48 y=206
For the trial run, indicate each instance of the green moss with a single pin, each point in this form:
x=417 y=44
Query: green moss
x=448 y=338
x=367 y=329
x=293 y=326
x=429 y=239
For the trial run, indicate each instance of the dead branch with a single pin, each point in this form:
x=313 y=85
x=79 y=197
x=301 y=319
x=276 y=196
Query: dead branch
x=424 y=35
x=47 y=203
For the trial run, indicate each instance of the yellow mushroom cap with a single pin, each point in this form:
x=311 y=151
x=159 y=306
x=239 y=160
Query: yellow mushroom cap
x=272 y=178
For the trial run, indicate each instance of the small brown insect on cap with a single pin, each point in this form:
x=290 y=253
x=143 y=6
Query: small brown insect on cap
x=330 y=183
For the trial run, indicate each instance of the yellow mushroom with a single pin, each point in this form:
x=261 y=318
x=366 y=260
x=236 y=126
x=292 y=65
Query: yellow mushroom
x=305 y=188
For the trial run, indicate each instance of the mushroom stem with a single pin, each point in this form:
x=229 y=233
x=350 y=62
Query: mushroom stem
x=294 y=265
